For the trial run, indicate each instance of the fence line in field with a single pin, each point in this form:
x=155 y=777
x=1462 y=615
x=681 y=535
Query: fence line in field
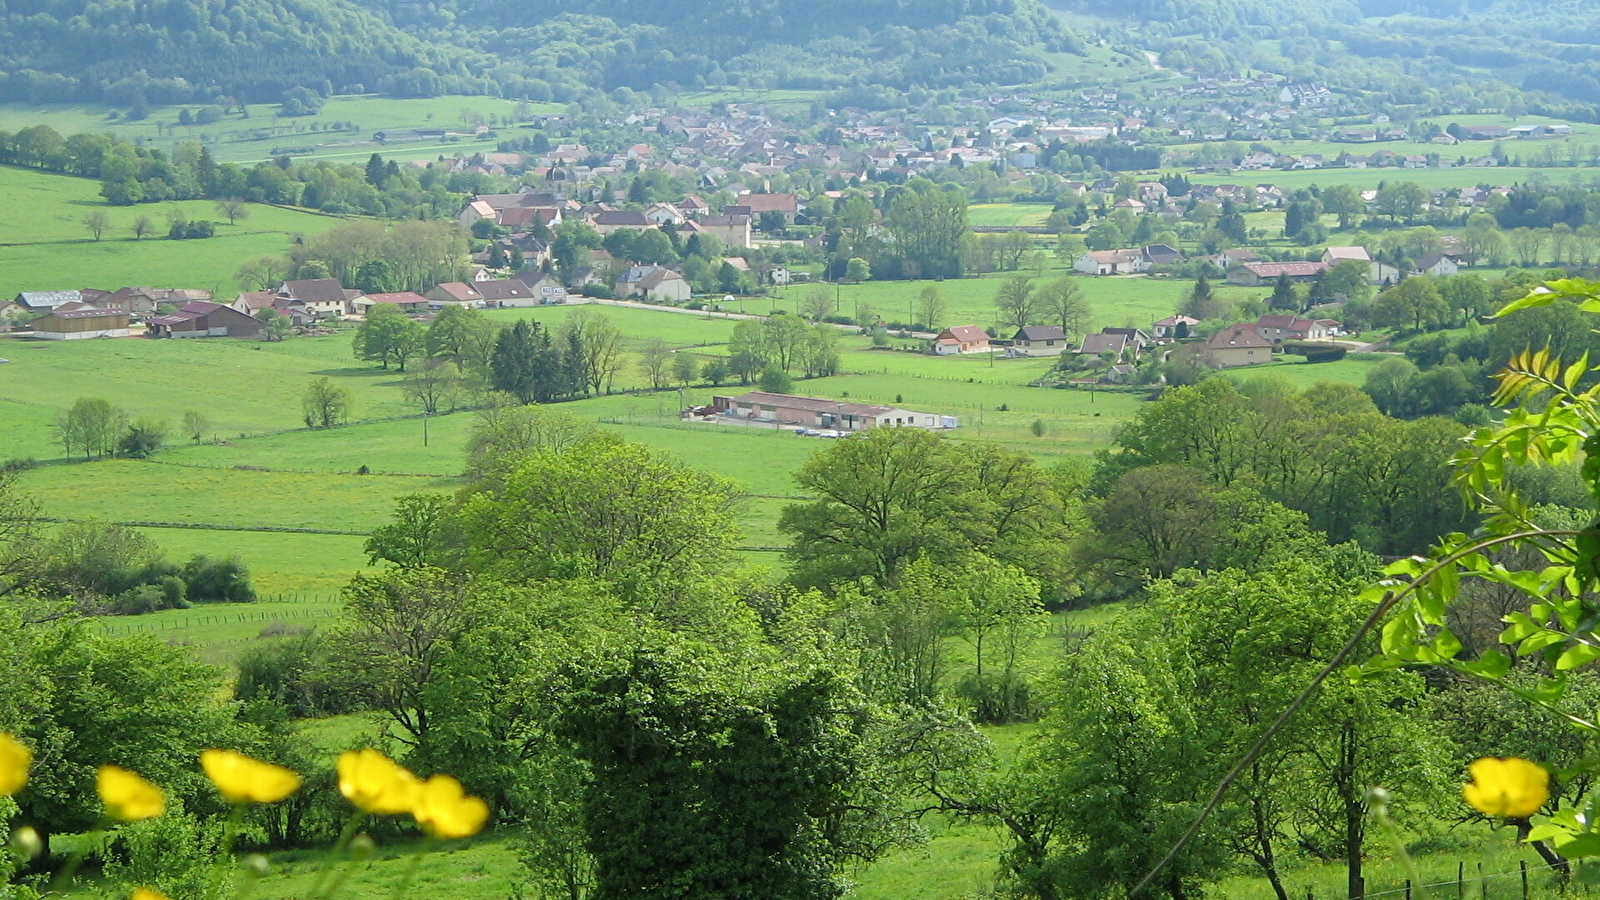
x=223 y=614
x=1460 y=882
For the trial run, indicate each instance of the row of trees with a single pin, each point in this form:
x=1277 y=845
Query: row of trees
x=96 y=428
x=463 y=351
x=103 y=568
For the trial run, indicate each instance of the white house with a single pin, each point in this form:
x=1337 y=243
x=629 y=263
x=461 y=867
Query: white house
x=1112 y=262
x=1437 y=265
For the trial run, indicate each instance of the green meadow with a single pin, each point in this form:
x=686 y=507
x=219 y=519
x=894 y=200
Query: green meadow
x=1371 y=178
x=253 y=138
x=1113 y=301
x=49 y=248
x=1008 y=213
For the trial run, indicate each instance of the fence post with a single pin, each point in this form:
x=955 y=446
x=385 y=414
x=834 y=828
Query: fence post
x=1523 y=865
x=1408 y=889
x=1483 y=884
x=1461 y=872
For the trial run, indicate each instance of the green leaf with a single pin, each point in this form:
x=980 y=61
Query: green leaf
x=1544 y=638
x=1528 y=302
x=1549 y=831
x=1575 y=372
x=1446 y=644
x=1577 y=655
x=1579 y=846
x=1492 y=664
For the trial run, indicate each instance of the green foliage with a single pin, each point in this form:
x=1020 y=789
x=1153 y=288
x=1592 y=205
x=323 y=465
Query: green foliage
x=175 y=853
x=1137 y=739
x=1539 y=567
x=136 y=701
x=388 y=333
x=774 y=380
x=325 y=404
x=92 y=427
x=218 y=580
x=710 y=779
x=603 y=509
x=420 y=535
x=1325 y=451
x=143 y=438
x=892 y=495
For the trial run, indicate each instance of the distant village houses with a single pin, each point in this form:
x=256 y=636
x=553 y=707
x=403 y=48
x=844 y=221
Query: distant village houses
x=820 y=413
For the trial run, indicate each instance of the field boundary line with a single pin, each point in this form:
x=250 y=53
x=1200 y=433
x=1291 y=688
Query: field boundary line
x=212 y=526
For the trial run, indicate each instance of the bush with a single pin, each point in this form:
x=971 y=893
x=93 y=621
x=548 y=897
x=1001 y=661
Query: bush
x=998 y=699
x=143 y=438
x=774 y=380
x=223 y=580
x=289 y=671
x=167 y=593
x=191 y=231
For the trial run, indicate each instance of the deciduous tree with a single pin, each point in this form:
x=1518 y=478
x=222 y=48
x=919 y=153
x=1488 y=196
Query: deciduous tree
x=1016 y=302
x=325 y=404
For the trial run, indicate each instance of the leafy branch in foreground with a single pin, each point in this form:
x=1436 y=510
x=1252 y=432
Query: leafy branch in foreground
x=1551 y=632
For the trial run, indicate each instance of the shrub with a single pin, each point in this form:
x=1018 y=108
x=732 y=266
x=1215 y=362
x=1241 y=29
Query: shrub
x=222 y=580
x=143 y=438
x=289 y=671
x=774 y=380
x=998 y=699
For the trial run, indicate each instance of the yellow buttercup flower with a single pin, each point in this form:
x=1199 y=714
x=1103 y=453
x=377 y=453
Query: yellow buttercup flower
x=144 y=893
x=375 y=783
x=245 y=780
x=1510 y=788
x=14 y=762
x=445 y=811
x=127 y=796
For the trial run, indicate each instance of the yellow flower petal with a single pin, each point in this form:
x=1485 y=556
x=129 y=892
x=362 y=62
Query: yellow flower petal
x=14 y=762
x=375 y=783
x=128 y=797
x=245 y=780
x=1509 y=788
x=445 y=811
x=144 y=893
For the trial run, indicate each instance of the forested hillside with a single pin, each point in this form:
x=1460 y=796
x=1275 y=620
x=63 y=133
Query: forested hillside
x=1404 y=47
x=180 y=51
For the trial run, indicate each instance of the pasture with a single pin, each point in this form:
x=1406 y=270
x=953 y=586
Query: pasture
x=1113 y=301
x=288 y=500
x=1008 y=213
x=49 y=248
x=253 y=137
x=1371 y=178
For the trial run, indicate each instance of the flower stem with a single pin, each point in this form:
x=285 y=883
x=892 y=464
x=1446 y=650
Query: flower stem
x=63 y=878
x=331 y=861
x=219 y=871
x=411 y=870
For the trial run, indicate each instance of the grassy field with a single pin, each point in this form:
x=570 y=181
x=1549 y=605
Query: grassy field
x=49 y=248
x=242 y=388
x=1464 y=176
x=1296 y=371
x=264 y=471
x=252 y=138
x=1008 y=213
x=1113 y=301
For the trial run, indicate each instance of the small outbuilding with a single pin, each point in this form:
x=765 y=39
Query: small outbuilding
x=78 y=324
x=199 y=318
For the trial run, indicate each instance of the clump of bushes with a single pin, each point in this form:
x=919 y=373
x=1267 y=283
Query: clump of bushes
x=118 y=570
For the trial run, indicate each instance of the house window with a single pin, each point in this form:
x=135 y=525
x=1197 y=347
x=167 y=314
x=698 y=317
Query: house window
x=1049 y=343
